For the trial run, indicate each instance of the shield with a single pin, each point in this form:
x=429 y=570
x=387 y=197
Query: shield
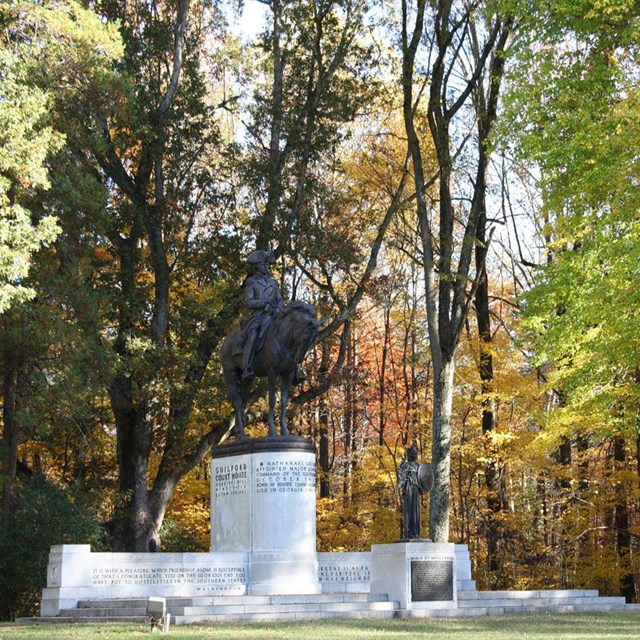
x=425 y=477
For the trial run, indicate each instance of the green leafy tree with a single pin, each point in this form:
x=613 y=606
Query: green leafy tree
x=37 y=38
x=26 y=139
x=317 y=76
x=577 y=96
x=144 y=259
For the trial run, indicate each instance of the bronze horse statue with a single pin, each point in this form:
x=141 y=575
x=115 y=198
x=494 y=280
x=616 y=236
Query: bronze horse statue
x=291 y=333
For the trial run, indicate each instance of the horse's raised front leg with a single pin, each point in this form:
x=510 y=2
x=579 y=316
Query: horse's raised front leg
x=287 y=381
x=272 y=405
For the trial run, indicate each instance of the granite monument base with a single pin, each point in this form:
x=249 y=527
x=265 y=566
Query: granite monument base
x=419 y=575
x=76 y=574
x=263 y=503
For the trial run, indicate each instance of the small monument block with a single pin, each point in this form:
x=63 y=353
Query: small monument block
x=420 y=575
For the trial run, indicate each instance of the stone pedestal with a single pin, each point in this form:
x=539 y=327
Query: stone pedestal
x=419 y=575
x=263 y=502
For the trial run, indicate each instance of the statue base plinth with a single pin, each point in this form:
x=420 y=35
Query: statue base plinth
x=410 y=540
x=283 y=574
x=263 y=503
x=418 y=574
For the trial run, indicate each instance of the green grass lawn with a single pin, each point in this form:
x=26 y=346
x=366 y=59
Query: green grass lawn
x=596 y=626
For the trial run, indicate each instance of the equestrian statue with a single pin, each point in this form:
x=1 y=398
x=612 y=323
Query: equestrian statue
x=272 y=342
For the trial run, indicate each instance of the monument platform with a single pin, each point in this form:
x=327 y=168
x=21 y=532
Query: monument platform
x=199 y=587
x=263 y=563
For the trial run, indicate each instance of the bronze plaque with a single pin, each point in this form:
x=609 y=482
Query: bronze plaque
x=431 y=580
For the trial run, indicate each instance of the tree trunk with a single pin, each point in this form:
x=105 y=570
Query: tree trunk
x=382 y=376
x=133 y=530
x=493 y=473
x=447 y=288
x=441 y=452
x=13 y=364
x=323 y=427
x=486 y=109
x=621 y=523
x=349 y=420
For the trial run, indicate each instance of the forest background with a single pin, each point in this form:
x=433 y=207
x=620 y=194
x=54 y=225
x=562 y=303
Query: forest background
x=453 y=184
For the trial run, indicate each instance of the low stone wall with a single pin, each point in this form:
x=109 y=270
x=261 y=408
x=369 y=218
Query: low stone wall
x=76 y=573
x=344 y=572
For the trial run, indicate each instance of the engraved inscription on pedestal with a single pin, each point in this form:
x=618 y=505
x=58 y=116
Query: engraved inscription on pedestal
x=285 y=476
x=431 y=580
x=231 y=479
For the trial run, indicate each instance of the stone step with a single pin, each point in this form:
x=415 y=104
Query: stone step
x=538 y=603
x=575 y=608
x=283 y=608
x=204 y=606
x=407 y=614
x=299 y=615
x=248 y=608
x=104 y=612
x=470 y=612
x=527 y=595
x=569 y=593
x=84 y=620
x=113 y=603
x=604 y=600
x=240 y=608
x=172 y=602
x=513 y=603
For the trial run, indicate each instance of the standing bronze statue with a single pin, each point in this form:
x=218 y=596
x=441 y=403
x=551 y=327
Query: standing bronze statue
x=414 y=479
x=272 y=343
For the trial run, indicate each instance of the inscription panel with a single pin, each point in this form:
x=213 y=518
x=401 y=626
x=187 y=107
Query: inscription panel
x=285 y=476
x=431 y=580
x=344 y=573
x=202 y=578
x=231 y=479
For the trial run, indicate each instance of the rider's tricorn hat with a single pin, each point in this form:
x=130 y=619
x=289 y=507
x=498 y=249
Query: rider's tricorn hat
x=259 y=256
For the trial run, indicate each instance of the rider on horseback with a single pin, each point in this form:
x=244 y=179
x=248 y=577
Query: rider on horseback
x=262 y=296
